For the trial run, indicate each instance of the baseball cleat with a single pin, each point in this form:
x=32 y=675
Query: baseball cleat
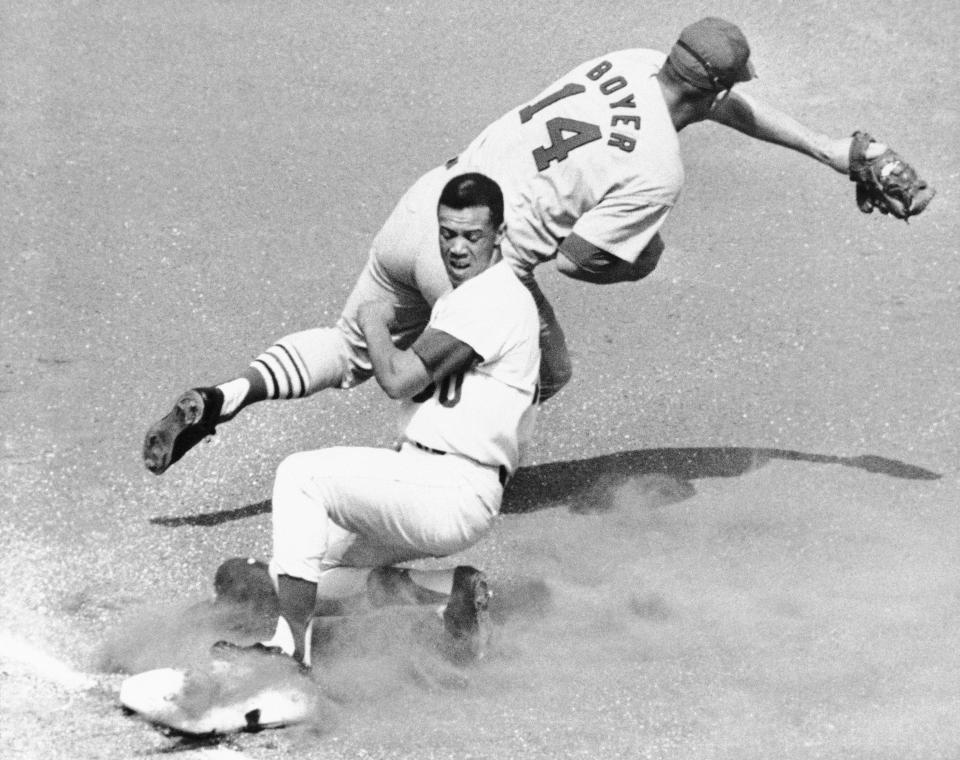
x=193 y=418
x=466 y=620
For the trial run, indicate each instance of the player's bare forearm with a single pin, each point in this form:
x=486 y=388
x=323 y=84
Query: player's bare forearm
x=442 y=354
x=401 y=374
x=762 y=121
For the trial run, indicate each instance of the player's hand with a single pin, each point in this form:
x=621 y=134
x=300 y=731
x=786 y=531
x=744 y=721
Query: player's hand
x=838 y=153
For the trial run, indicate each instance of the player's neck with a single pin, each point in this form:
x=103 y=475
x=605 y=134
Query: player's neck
x=683 y=109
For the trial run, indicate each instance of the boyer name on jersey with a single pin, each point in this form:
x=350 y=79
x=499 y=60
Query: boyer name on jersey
x=566 y=134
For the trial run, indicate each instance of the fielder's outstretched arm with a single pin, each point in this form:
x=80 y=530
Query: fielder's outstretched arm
x=762 y=121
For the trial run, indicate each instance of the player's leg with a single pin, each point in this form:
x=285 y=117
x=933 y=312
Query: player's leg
x=338 y=513
x=555 y=366
x=295 y=366
x=437 y=505
x=395 y=273
x=404 y=268
x=461 y=592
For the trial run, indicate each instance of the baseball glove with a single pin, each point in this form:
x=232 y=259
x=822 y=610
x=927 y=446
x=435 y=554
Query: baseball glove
x=886 y=182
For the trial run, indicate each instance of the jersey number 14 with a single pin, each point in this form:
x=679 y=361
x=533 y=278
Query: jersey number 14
x=565 y=134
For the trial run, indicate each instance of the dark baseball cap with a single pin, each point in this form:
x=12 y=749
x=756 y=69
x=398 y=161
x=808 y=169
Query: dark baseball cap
x=712 y=54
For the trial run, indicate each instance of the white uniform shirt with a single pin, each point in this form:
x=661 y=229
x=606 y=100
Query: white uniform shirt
x=595 y=153
x=483 y=413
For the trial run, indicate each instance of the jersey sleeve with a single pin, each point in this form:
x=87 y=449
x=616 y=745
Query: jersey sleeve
x=476 y=314
x=622 y=226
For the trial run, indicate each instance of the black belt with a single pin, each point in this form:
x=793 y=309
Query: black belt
x=502 y=473
x=428 y=449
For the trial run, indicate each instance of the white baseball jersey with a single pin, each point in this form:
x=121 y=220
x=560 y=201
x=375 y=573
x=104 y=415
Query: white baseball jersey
x=482 y=413
x=595 y=153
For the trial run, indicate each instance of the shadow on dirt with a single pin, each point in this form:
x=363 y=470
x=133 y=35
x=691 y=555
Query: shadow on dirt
x=577 y=482
x=581 y=483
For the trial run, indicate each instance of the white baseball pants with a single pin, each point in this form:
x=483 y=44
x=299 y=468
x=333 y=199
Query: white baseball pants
x=352 y=509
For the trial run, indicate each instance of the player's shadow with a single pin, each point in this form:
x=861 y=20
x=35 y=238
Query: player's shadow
x=580 y=484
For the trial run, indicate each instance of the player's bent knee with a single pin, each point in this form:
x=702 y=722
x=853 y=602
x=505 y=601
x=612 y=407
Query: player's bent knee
x=292 y=467
x=553 y=379
x=292 y=479
x=548 y=392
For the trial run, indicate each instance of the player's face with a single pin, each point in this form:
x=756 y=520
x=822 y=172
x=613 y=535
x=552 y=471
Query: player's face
x=469 y=243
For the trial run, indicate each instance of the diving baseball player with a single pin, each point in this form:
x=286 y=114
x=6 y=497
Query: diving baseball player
x=590 y=169
x=469 y=390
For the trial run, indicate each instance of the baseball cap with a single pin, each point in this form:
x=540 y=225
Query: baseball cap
x=712 y=54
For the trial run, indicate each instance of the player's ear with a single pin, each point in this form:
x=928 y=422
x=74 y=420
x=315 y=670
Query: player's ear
x=501 y=231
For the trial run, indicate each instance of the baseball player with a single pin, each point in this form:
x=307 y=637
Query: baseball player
x=469 y=390
x=590 y=169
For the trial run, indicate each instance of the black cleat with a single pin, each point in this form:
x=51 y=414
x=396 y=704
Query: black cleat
x=466 y=620
x=193 y=418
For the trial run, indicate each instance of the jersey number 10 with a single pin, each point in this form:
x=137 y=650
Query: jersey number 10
x=450 y=389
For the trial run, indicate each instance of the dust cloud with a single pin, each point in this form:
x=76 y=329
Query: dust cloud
x=788 y=613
